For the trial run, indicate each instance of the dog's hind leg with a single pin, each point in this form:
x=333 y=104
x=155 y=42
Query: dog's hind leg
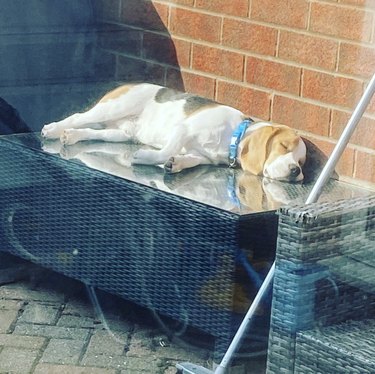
x=130 y=104
x=96 y=117
x=72 y=136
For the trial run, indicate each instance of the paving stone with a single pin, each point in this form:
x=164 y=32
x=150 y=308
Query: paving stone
x=16 y=360
x=103 y=343
x=171 y=369
x=182 y=352
x=40 y=313
x=20 y=341
x=51 y=331
x=22 y=291
x=147 y=365
x=104 y=360
x=63 y=351
x=118 y=325
x=78 y=343
x=78 y=321
x=11 y=304
x=78 y=308
x=141 y=344
x=69 y=369
x=7 y=318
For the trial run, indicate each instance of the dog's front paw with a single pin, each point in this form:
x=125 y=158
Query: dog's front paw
x=51 y=131
x=69 y=137
x=171 y=166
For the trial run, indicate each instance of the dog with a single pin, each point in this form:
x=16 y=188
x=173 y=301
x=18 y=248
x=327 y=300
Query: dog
x=184 y=131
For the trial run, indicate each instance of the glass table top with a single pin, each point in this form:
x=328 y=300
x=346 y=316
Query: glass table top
x=228 y=189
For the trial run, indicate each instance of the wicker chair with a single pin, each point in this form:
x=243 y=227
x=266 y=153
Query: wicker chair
x=323 y=311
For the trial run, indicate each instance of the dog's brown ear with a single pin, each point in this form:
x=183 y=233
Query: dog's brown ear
x=315 y=161
x=255 y=150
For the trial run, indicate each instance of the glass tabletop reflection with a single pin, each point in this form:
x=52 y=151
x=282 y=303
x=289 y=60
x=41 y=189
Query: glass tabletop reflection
x=232 y=190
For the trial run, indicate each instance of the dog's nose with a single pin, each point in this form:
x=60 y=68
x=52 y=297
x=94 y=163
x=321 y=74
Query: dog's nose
x=295 y=171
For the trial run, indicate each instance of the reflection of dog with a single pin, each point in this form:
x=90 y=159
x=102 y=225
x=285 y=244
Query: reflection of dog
x=186 y=131
x=231 y=190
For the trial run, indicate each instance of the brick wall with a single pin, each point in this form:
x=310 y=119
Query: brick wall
x=303 y=63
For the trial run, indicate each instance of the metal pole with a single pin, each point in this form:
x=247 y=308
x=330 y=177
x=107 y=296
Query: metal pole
x=313 y=197
x=245 y=323
x=343 y=141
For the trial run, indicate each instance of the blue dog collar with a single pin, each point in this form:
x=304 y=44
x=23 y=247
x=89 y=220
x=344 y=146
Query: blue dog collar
x=235 y=141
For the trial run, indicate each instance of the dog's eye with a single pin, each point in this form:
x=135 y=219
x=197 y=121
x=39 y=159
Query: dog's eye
x=284 y=145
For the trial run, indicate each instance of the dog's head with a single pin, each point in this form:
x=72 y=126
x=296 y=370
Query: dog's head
x=276 y=152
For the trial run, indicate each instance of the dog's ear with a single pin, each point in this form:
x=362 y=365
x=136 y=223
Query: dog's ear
x=250 y=192
x=255 y=149
x=315 y=161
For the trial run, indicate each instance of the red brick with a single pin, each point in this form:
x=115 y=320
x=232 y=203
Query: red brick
x=357 y=60
x=134 y=69
x=173 y=79
x=218 y=62
x=341 y=22
x=364 y=134
x=145 y=14
x=162 y=10
x=308 y=49
x=183 y=2
x=301 y=115
x=331 y=89
x=346 y=164
x=371 y=106
x=249 y=37
x=107 y=9
x=365 y=3
x=365 y=166
x=273 y=75
x=195 y=83
x=250 y=101
x=195 y=25
x=162 y=48
x=292 y=13
x=183 y=52
x=233 y=7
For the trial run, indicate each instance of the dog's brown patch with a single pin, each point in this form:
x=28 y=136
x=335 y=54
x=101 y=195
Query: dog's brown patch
x=193 y=103
x=117 y=92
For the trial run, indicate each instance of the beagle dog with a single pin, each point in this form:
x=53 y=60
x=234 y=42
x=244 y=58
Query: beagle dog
x=184 y=131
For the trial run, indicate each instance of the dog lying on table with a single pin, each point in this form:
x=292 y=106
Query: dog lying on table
x=185 y=130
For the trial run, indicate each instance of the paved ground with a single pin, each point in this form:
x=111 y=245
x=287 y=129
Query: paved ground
x=48 y=326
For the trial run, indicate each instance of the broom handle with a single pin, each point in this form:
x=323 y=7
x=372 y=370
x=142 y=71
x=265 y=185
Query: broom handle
x=312 y=198
x=342 y=143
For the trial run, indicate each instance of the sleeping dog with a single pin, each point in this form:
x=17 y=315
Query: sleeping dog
x=184 y=131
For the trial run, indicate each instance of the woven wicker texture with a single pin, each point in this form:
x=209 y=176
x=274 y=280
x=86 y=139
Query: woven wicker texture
x=324 y=279
x=347 y=348
x=178 y=257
